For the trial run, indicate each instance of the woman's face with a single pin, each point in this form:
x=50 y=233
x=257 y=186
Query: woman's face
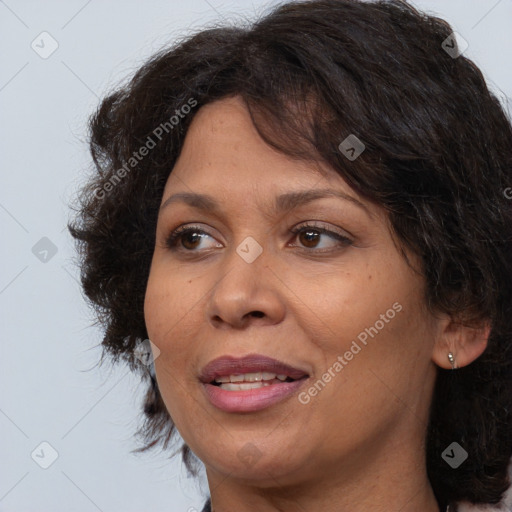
x=341 y=307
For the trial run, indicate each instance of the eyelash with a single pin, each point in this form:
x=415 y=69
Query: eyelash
x=173 y=239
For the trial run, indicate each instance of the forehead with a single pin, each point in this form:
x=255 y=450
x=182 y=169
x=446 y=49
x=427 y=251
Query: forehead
x=223 y=149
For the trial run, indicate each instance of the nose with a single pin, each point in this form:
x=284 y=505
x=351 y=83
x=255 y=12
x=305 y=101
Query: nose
x=246 y=294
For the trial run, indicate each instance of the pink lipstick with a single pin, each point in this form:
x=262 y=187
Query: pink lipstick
x=250 y=383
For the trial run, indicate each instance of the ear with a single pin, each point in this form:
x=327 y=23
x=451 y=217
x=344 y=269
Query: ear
x=465 y=343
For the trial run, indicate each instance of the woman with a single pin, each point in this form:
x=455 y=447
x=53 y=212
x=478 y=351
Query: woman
x=308 y=219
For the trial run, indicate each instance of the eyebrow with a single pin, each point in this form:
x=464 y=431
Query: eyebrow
x=283 y=202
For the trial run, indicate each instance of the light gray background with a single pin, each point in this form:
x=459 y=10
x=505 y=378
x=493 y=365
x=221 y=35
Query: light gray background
x=50 y=390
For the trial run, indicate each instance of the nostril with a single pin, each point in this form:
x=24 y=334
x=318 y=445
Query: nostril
x=257 y=314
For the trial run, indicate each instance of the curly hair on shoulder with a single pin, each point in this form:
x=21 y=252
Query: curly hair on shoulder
x=438 y=158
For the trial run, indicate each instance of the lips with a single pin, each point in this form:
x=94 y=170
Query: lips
x=227 y=365
x=249 y=384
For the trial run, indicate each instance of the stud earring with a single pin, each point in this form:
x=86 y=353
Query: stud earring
x=451 y=358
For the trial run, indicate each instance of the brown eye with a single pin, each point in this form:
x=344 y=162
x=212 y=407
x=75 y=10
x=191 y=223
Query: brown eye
x=310 y=236
x=191 y=239
x=186 y=239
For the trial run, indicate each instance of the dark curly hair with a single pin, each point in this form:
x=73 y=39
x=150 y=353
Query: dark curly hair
x=438 y=158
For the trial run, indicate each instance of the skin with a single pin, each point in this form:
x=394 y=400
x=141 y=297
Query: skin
x=358 y=445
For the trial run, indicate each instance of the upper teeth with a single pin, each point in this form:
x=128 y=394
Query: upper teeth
x=251 y=377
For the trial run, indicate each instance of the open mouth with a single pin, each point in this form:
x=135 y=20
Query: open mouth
x=250 y=383
x=242 y=382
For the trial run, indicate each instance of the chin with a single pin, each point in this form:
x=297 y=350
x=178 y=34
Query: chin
x=253 y=463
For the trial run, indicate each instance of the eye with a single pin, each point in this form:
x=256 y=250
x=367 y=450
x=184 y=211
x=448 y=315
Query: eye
x=189 y=238
x=310 y=234
x=186 y=238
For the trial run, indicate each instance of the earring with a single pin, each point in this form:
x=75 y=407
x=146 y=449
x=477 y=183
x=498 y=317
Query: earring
x=452 y=360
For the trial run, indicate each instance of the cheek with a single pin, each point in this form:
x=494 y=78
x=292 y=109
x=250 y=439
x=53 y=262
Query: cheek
x=167 y=300
x=155 y=305
x=373 y=314
x=344 y=303
x=166 y=324
x=172 y=310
